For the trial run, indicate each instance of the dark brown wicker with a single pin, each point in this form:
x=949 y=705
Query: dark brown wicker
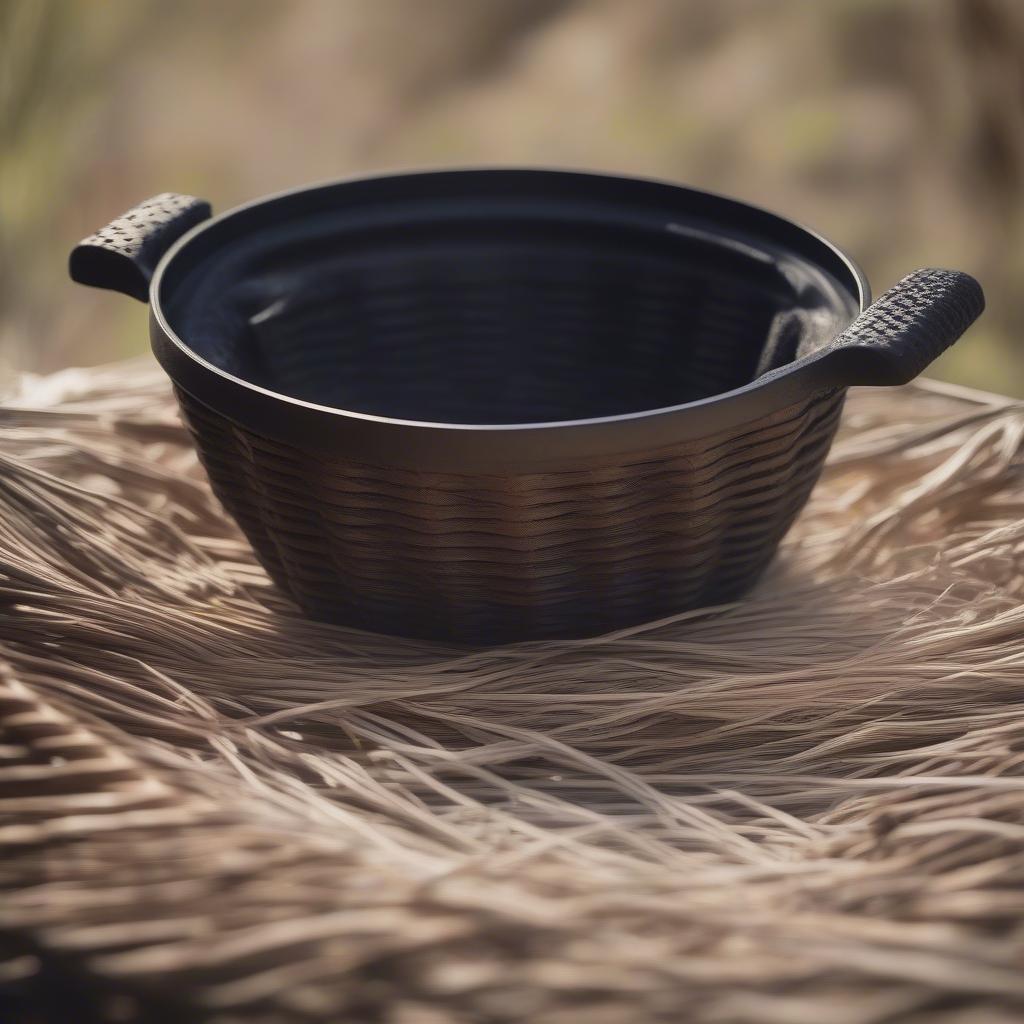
x=494 y=406
x=534 y=555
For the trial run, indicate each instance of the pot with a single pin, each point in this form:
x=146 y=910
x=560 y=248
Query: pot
x=497 y=405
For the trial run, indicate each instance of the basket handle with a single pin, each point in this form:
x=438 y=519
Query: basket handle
x=897 y=337
x=123 y=255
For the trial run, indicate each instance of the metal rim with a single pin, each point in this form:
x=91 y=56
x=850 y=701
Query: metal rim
x=494 y=447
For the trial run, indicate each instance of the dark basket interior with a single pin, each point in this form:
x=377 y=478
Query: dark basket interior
x=493 y=318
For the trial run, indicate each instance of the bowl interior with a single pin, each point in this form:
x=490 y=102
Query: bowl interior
x=492 y=314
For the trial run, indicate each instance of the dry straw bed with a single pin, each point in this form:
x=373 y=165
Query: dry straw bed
x=807 y=807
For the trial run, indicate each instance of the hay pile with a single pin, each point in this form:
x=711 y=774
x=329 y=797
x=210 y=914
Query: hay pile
x=808 y=807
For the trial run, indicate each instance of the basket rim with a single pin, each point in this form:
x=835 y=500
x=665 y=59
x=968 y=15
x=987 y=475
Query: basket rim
x=433 y=444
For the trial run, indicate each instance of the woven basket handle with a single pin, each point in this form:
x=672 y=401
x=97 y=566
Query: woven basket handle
x=123 y=255
x=897 y=337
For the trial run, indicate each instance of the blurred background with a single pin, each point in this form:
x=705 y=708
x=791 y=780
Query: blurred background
x=895 y=127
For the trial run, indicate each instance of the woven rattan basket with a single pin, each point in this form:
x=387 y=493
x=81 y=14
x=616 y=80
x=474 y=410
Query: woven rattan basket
x=494 y=405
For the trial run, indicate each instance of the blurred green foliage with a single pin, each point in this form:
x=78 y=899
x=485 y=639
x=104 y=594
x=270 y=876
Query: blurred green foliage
x=894 y=126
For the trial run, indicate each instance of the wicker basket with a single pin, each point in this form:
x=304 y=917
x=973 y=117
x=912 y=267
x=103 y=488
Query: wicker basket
x=503 y=405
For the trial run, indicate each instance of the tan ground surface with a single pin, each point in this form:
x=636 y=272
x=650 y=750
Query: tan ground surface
x=807 y=807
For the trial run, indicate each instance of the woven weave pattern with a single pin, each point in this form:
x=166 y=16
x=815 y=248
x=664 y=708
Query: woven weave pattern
x=914 y=322
x=525 y=556
x=526 y=330
x=143 y=227
x=123 y=254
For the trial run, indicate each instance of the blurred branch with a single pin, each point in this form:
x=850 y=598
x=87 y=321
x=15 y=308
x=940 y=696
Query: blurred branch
x=28 y=30
x=991 y=35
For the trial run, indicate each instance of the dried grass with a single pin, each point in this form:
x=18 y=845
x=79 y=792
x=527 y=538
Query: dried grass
x=807 y=807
